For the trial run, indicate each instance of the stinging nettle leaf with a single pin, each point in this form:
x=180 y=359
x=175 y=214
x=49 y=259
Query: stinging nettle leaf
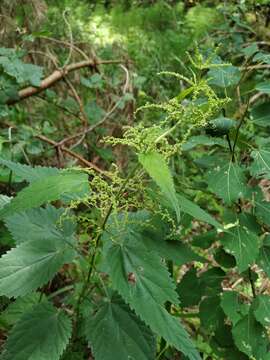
x=156 y=166
x=232 y=306
x=29 y=173
x=40 y=224
x=124 y=335
x=45 y=190
x=260 y=166
x=142 y=280
x=32 y=264
x=42 y=333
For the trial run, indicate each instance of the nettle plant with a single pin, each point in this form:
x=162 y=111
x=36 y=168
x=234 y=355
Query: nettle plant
x=125 y=267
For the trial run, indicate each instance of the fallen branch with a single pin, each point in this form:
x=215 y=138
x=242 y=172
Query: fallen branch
x=71 y=153
x=56 y=76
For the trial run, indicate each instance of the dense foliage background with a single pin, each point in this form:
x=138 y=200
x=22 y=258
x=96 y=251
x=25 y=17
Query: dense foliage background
x=134 y=179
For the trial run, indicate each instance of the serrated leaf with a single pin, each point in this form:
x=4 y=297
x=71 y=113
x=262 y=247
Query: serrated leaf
x=46 y=190
x=4 y=200
x=156 y=166
x=261 y=162
x=142 y=280
x=29 y=173
x=16 y=309
x=250 y=338
x=262 y=309
x=41 y=334
x=196 y=211
x=39 y=224
x=243 y=245
x=31 y=265
x=232 y=306
x=227 y=182
x=124 y=336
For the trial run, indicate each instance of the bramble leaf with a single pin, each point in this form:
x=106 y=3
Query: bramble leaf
x=227 y=182
x=243 y=245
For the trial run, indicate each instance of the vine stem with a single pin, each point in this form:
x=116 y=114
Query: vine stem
x=97 y=243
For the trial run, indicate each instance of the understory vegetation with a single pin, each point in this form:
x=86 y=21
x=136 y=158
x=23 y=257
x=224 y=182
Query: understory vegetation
x=134 y=180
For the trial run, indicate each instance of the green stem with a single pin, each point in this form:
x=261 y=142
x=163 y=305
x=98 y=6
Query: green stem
x=95 y=252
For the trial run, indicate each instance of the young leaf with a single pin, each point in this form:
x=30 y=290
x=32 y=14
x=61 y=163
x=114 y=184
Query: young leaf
x=157 y=168
x=262 y=310
x=42 y=333
x=124 y=335
x=46 y=190
x=39 y=224
x=29 y=173
x=31 y=265
x=228 y=182
x=243 y=245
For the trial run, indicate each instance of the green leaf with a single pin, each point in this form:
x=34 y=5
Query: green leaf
x=40 y=224
x=205 y=240
x=29 y=173
x=16 y=309
x=260 y=114
x=4 y=200
x=31 y=265
x=46 y=190
x=227 y=182
x=263 y=87
x=156 y=166
x=262 y=309
x=124 y=336
x=211 y=319
x=141 y=278
x=264 y=259
x=23 y=73
x=232 y=306
x=194 y=141
x=262 y=209
x=185 y=289
x=196 y=211
x=224 y=76
x=220 y=126
x=224 y=259
x=243 y=245
x=250 y=338
x=211 y=280
x=261 y=162
x=41 y=334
